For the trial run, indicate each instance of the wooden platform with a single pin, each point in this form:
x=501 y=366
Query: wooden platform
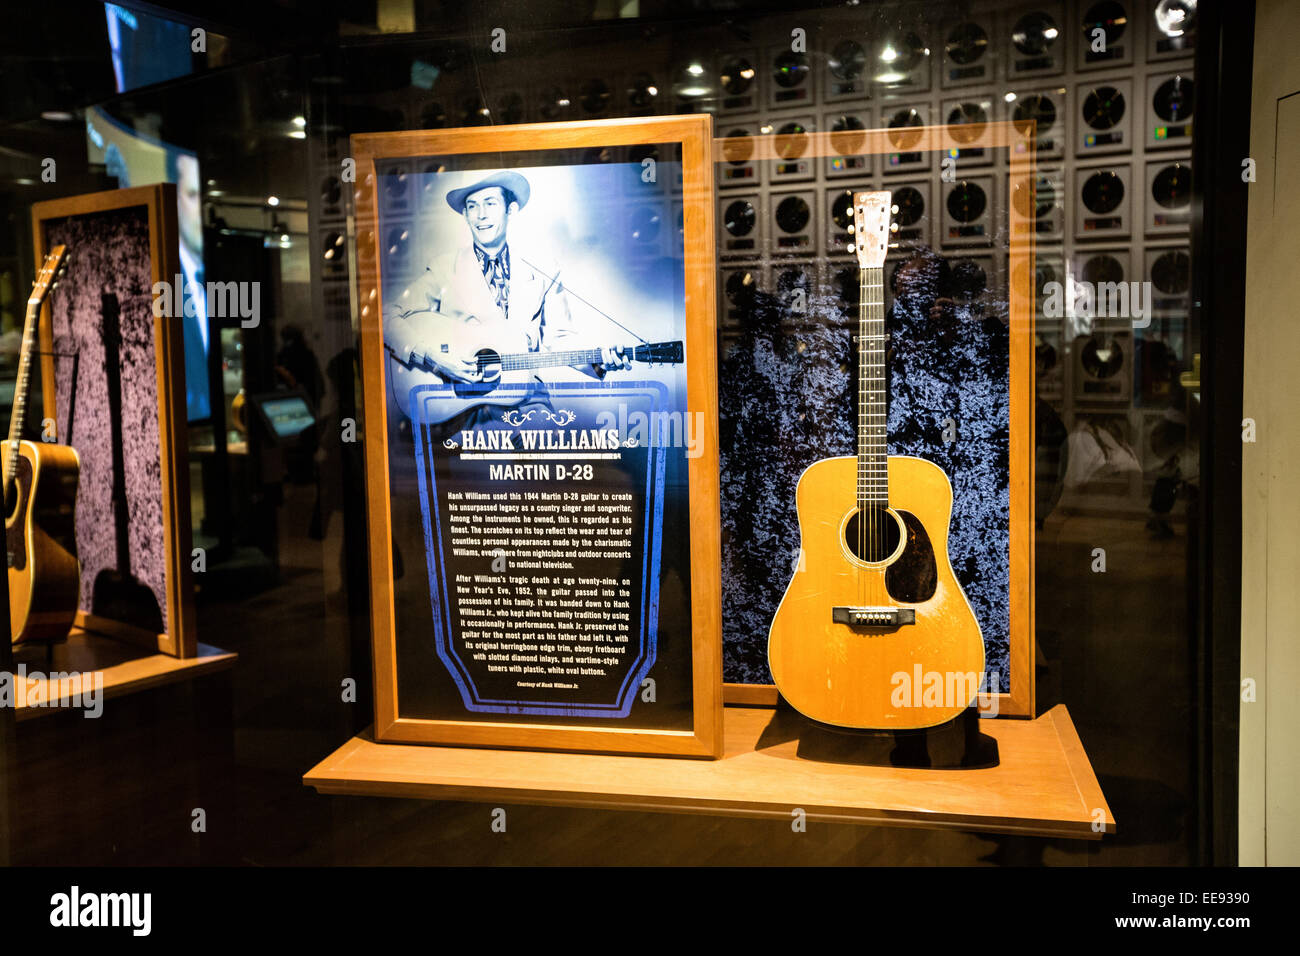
x=1042 y=784
x=125 y=669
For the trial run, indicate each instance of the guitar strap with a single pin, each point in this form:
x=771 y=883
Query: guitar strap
x=604 y=315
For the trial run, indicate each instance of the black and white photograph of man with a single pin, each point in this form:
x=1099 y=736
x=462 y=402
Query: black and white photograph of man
x=489 y=292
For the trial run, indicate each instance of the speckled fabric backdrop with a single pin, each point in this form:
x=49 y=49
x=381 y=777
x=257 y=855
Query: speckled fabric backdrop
x=788 y=398
x=110 y=255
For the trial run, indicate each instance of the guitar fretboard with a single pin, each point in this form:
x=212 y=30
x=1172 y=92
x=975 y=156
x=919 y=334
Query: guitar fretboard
x=518 y=360
x=45 y=280
x=873 y=467
x=19 y=413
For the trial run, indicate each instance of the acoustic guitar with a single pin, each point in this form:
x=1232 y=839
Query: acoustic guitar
x=490 y=343
x=40 y=493
x=874 y=632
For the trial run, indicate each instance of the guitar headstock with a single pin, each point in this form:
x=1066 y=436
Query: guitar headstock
x=659 y=353
x=872 y=228
x=52 y=270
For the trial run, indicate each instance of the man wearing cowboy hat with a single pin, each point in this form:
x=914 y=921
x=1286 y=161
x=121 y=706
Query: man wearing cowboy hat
x=521 y=306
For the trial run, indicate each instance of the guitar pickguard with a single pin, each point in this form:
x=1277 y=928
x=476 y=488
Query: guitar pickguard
x=913 y=578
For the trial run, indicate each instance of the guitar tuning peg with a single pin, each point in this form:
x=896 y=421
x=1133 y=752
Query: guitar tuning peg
x=893 y=210
x=851 y=229
x=850 y=248
x=893 y=245
x=893 y=227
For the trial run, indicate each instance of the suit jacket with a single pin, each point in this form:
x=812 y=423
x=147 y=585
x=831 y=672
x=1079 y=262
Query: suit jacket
x=453 y=288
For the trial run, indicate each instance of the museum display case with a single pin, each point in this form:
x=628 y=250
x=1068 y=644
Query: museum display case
x=677 y=429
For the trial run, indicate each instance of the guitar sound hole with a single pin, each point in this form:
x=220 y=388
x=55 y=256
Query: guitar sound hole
x=874 y=539
x=489 y=363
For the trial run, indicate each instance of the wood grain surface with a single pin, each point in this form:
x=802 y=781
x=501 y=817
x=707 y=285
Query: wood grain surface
x=1042 y=784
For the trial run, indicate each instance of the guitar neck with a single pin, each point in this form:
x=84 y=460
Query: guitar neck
x=873 y=467
x=522 y=360
x=46 y=279
x=18 y=413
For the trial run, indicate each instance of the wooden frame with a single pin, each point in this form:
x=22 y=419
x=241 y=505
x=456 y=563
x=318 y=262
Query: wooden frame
x=1019 y=702
x=180 y=638
x=695 y=136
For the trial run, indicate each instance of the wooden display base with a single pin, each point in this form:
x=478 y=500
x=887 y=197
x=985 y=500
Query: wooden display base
x=126 y=668
x=1042 y=784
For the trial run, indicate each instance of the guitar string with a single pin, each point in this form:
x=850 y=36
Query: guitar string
x=871 y=435
x=877 y=452
x=866 y=515
x=882 y=453
x=20 y=396
x=866 y=438
x=874 y=545
x=862 y=407
x=873 y=468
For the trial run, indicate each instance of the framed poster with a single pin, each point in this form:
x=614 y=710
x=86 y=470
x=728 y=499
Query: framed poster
x=113 y=373
x=540 y=416
x=960 y=392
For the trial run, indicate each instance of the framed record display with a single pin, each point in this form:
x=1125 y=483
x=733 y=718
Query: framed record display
x=540 y=410
x=113 y=374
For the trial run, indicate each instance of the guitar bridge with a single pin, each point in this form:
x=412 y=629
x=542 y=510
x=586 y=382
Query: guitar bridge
x=873 y=616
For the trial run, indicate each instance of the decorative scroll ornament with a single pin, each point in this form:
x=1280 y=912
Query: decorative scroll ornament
x=562 y=417
x=512 y=416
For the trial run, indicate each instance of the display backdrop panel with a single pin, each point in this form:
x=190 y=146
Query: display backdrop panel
x=114 y=375
x=960 y=394
x=541 y=454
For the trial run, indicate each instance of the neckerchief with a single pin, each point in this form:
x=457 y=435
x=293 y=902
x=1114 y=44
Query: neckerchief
x=496 y=270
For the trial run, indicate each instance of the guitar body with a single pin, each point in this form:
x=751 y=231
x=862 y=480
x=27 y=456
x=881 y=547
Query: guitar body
x=864 y=676
x=471 y=334
x=403 y=378
x=44 y=575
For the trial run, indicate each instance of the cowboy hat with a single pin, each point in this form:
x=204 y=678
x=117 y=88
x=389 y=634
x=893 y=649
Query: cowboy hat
x=514 y=185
